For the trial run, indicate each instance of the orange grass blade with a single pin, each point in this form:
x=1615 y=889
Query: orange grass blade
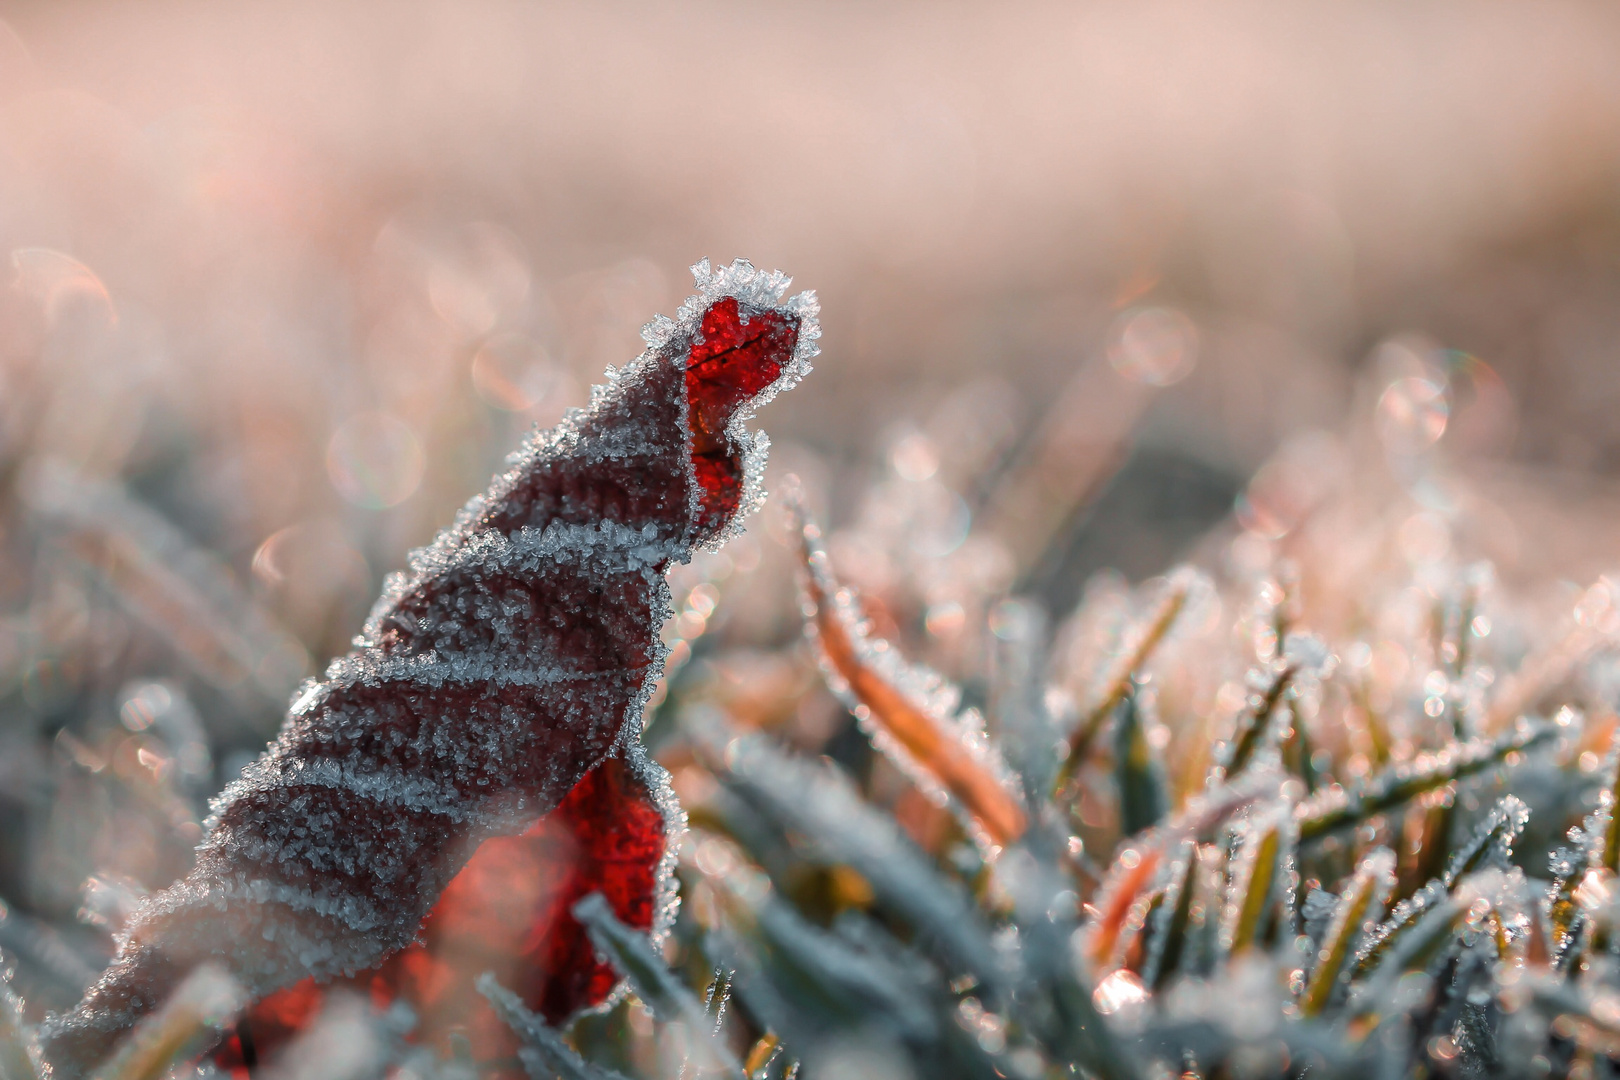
x=1118 y=680
x=905 y=708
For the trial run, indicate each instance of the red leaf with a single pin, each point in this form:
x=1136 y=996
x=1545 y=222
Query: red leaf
x=514 y=656
x=509 y=912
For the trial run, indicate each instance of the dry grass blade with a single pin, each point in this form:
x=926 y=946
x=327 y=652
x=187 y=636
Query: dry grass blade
x=899 y=713
x=1596 y=618
x=199 y=1009
x=1117 y=683
x=1137 y=866
x=19 y=1058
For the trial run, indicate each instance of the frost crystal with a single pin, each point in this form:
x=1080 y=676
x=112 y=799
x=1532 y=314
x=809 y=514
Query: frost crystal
x=512 y=659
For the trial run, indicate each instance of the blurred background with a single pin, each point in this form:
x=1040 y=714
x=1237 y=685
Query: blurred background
x=286 y=282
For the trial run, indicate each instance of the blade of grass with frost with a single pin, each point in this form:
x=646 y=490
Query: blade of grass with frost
x=818 y=802
x=1301 y=658
x=545 y=1055
x=1140 y=863
x=1335 y=808
x=1403 y=918
x=200 y=1008
x=662 y=991
x=178 y=589
x=1064 y=1017
x=1018 y=718
x=907 y=710
x=1168 y=934
x=809 y=1010
x=1254 y=724
x=1492 y=842
x=1117 y=683
x=19 y=1056
x=1137 y=771
x=822 y=972
x=1569 y=866
x=1358 y=908
x=1298 y=752
x=1261 y=877
x=1412 y=948
x=1602 y=827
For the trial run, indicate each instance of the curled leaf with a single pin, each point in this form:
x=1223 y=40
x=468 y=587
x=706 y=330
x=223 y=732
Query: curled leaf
x=514 y=656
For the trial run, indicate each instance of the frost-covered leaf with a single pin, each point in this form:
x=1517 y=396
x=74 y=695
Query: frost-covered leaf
x=513 y=656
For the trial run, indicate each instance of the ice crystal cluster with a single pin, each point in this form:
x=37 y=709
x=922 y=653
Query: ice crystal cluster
x=1333 y=798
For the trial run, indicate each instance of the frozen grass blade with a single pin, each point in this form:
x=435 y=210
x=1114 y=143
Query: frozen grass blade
x=1140 y=863
x=1261 y=877
x=544 y=1054
x=19 y=1057
x=1168 y=942
x=1562 y=909
x=201 y=1007
x=1143 y=800
x=662 y=991
x=810 y=983
x=1421 y=937
x=1254 y=723
x=907 y=709
x=1492 y=843
x=1369 y=888
x=819 y=803
x=1117 y=683
x=1335 y=808
x=1605 y=821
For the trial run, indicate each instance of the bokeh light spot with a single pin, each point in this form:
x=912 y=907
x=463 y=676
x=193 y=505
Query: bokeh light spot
x=513 y=372
x=375 y=461
x=1412 y=414
x=1157 y=346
